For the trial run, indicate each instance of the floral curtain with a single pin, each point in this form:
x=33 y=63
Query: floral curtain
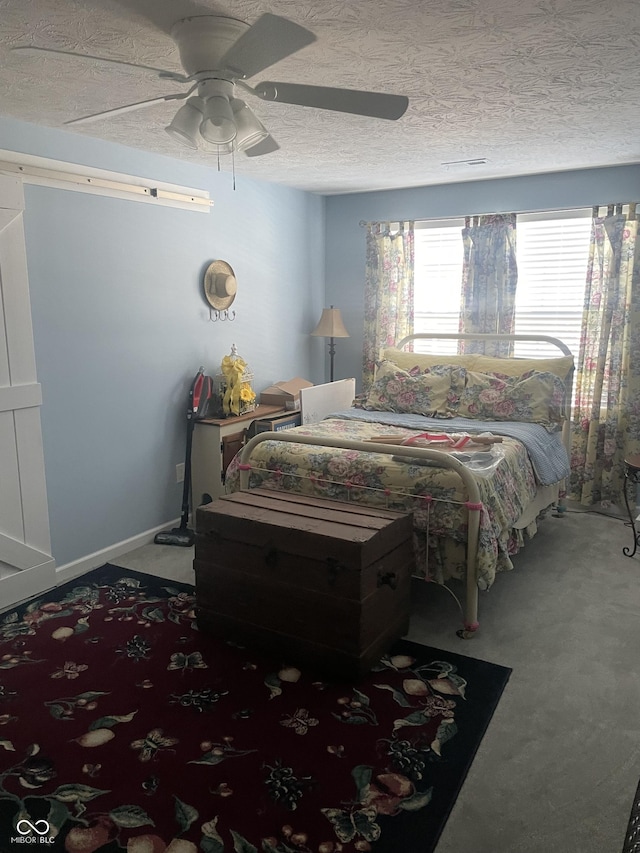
x=489 y=279
x=606 y=415
x=388 y=294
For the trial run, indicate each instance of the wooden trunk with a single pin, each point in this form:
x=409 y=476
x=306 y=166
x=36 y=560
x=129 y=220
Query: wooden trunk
x=324 y=583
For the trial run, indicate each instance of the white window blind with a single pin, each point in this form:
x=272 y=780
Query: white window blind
x=552 y=253
x=438 y=279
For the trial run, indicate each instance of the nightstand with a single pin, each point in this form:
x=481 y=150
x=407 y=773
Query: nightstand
x=215 y=442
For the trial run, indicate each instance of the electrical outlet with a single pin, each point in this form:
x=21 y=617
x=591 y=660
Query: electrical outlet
x=180 y=472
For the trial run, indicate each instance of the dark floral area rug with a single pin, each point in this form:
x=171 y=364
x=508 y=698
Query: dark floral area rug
x=122 y=727
x=632 y=838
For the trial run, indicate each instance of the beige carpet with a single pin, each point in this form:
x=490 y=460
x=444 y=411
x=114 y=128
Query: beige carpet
x=560 y=762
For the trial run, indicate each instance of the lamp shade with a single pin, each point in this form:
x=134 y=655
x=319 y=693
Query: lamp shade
x=185 y=127
x=218 y=126
x=250 y=130
x=330 y=324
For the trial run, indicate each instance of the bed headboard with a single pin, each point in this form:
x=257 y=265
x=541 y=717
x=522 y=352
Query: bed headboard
x=465 y=336
x=555 y=342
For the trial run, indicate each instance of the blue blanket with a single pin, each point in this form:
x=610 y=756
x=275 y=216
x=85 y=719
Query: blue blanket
x=546 y=450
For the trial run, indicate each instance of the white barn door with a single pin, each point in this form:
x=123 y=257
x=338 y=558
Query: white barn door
x=26 y=564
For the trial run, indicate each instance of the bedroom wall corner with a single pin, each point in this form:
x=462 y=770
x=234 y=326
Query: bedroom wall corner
x=345 y=241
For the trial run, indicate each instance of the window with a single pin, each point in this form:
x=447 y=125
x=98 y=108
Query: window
x=438 y=257
x=552 y=253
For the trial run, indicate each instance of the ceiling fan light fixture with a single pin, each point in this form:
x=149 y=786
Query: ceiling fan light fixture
x=185 y=126
x=218 y=54
x=218 y=126
x=250 y=130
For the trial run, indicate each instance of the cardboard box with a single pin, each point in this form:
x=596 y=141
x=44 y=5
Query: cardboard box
x=275 y=424
x=285 y=394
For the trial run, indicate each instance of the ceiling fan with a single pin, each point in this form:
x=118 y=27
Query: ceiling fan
x=218 y=54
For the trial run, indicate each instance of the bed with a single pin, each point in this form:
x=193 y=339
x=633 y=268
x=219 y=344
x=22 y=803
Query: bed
x=476 y=447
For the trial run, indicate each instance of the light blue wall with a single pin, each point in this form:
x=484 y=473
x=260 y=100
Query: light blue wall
x=121 y=326
x=345 y=250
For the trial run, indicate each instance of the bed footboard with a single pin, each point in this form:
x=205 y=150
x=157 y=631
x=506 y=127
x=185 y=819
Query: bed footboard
x=444 y=460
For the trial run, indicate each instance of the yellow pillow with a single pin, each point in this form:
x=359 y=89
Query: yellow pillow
x=425 y=360
x=559 y=366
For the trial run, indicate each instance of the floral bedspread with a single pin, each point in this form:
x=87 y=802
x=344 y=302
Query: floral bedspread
x=381 y=480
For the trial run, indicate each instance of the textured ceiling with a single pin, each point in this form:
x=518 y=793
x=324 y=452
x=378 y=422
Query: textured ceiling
x=538 y=86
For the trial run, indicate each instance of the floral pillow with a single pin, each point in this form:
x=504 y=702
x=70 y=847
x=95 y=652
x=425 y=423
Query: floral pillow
x=533 y=397
x=410 y=391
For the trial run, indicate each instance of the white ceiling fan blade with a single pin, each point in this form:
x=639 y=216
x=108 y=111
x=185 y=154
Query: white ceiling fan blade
x=375 y=104
x=267 y=146
x=128 y=108
x=167 y=75
x=269 y=40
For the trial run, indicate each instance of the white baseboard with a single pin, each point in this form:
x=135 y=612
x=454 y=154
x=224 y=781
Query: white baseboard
x=99 y=558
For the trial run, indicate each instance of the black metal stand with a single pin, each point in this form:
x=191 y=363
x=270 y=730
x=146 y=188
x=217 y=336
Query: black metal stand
x=332 y=352
x=631 y=477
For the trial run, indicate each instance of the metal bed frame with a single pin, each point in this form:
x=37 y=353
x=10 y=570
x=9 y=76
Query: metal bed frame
x=473 y=503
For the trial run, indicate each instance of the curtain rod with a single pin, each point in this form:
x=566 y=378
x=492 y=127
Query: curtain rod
x=44 y=171
x=610 y=206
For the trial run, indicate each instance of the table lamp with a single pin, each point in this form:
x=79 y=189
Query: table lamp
x=331 y=326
